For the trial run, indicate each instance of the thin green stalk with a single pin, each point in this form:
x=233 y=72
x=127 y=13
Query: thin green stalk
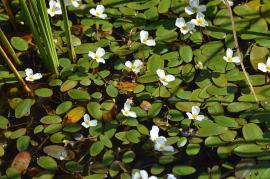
x=38 y=21
x=8 y=46
x=239 y=52
x=15 y=71
x=71 y=50
x=9 y=12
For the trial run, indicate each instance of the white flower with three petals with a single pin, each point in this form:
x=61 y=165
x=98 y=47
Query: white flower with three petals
x=30 y=76
x=200 y=21
x=97 y=55
x=195 y=111
x=54 y=8
x=144 y=37
x=161 y=145
x=126 y=110
x=194 y=7
x=98 y=12
x=229 y=57
x=142 y=174
x=136 y=66
x=87 y=122
x=164 y=79
x=265 y=67
x=184 y=27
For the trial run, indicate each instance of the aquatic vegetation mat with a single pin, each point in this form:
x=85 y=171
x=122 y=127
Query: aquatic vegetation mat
x=135 y=89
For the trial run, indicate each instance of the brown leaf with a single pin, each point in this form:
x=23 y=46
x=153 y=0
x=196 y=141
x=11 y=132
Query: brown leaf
x=21 y=161
x=126 y=86
x=74 y=115
x=145 y=105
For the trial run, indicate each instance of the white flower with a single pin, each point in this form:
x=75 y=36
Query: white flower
x=195 y=113
x=74 y=3
x=144 y=35
x=194 y=7
x=87 y=122
x=136 y=66
x=199 y=21
x=30 y=76
x=154 y=133
x=142 y=174
x=98 y=12
x=164 y=79
x=229 y=57
x=160 y=145
x=97 y=55
x=126 y=110
x=54 y=9
x=230 y=2
x=171 y=176
x=265 y=67
x=184 y=27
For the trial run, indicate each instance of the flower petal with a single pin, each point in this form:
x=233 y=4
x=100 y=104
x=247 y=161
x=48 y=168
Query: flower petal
x=100 y=9
x=200 y=117
x=91 y=54
x=160 y=73
x=103 y=16
x=153 y=177
x=132 y=114
x=169 y=148
x=93 y=12
x=229 y=52
x=180 y=22
x=100 y=52
x=195 y=110
x=86 y=117
x=143 y=35
x=201 y=8
x=161 y=140
x=268 y=61
x=154 y=133
x=93 y=123
x=151 y=42
x=189 y=115
x=37 y=76
x=128 y=64
x=28 y=71
x=84 y=124
x=136 y=175
x=101 y=60
x=262 y=67
x=169 y=78
x=189 y=10
x=144 y=174
x=171 y=176
x=236 y=59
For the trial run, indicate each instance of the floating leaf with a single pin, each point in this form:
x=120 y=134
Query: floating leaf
x=74 y=115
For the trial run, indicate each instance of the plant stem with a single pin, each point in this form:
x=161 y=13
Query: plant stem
x=15 y=71
x=239 y=52
x=8 y=46
x=9 y=12
x=71 y=51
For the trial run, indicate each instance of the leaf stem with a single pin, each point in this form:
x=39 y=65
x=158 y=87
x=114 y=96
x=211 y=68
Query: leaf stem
x=71 y=50
x=239 y=52
x=9 y=12
x=15 y=71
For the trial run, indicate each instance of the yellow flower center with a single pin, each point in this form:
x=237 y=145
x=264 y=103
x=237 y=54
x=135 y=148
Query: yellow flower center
x=96 y=56
x=194 y=116
x=194 y=8
x=164 y=79
x=145 y=40
x=31 y=78
x=268 y=67
x=98 y=14
x=229 y=59
x=53 y=9
x=185 y=27
x=200 y=21
x=162 y=147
